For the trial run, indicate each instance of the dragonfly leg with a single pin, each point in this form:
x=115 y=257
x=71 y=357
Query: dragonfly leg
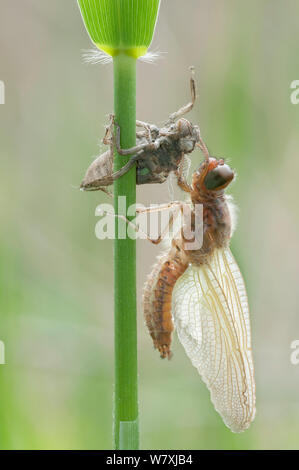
x=188 y=107
x=158 y=208
x=136 y=228
x=107 y=139
x=147 y=129
x=176 y=207
x=98 y=188
x=181 y=179
x=148 y=146
x=203 y=148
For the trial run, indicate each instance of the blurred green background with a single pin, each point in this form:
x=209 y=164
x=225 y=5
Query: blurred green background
x=56 y=280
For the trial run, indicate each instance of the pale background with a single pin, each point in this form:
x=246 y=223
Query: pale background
x=56 y=316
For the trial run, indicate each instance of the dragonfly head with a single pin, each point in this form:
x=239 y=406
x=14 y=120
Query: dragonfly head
x=213 y=175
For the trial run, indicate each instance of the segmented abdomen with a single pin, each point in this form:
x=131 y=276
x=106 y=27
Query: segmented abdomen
x=99 y=173
x=157 y=298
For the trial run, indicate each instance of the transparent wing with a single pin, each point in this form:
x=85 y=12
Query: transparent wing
x=211 y=315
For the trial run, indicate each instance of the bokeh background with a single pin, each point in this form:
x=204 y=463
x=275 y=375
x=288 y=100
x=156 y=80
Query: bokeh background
x=56 y=279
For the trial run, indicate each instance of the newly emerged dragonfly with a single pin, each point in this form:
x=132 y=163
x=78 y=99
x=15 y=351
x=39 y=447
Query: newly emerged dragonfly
x=202 y=294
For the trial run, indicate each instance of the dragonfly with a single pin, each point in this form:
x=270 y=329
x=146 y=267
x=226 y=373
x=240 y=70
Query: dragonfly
x=201 y=293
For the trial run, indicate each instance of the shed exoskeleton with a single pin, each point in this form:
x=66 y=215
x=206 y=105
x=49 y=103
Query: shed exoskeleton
x=158 y=151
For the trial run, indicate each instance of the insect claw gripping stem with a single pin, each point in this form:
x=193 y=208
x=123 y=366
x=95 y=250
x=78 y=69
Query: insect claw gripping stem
x=107 y=139
x=132 y=150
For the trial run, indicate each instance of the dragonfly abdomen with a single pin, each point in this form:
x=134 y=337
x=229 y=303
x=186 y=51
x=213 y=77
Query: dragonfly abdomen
x=157 y=298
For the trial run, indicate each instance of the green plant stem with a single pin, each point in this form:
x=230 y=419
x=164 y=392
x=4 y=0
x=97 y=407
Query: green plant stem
x=126 y=434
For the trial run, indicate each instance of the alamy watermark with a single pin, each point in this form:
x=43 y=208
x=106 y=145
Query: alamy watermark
x=295 y=94
x=2 y=353
x=2 y=92
x=294 y=357
x=175 y=220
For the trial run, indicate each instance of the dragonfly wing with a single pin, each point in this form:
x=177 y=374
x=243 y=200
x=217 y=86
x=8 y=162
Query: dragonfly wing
x=211 y=315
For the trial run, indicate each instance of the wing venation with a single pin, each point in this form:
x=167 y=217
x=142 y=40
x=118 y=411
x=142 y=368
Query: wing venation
x=211 y=315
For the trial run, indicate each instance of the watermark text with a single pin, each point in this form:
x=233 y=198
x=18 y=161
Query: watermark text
x=295 y=94
x=2 y=92
x=294 y=357
x=2 y=353
x=172 y=221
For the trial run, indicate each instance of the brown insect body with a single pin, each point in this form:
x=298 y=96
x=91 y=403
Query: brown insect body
x=157 y=297
x=99 y=174
x=216 y=214
x=199 y=290
x=100 y=168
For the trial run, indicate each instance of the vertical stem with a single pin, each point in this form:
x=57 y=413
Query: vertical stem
x=125 y=393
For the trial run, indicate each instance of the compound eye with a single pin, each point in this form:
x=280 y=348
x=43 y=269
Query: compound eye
x=218 y=178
